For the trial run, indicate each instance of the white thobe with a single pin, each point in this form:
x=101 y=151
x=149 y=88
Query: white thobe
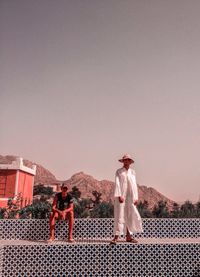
x=126 y=214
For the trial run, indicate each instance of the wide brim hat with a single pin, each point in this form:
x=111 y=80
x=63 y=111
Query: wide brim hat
x=126 y=157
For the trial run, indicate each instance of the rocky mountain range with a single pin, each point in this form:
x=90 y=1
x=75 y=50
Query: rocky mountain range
x=87 y=184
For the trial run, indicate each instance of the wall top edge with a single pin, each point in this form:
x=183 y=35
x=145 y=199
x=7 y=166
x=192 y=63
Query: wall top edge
x=19 y=165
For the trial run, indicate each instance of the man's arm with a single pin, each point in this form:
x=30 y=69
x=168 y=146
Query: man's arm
x=70 y=208
x=54 y=206
x=134 y=188
x=117 y=189
x=121 y=199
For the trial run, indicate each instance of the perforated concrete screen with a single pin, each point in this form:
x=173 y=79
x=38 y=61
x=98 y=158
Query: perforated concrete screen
x=38 y=229
x=167 y=248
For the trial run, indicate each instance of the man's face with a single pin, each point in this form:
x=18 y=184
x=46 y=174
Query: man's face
x=64 y=190
x=127 y=162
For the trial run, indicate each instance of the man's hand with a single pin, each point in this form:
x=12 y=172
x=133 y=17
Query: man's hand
x=121 y=199
x=63 y=215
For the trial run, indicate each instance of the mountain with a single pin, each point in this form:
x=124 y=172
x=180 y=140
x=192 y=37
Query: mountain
x=152 y=196
x=87 y=184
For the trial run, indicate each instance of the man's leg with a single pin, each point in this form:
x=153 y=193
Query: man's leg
x=70 y=218
x=129 y=237
x=114 y=241
x=118 y=220
x=52 y=222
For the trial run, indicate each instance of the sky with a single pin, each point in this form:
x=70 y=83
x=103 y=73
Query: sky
x=83 y=82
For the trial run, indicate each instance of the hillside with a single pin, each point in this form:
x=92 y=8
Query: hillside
x=87 y=184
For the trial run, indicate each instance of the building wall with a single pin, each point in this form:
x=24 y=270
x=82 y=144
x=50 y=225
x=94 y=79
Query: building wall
x=25 y=187
x=7 y=185
x=10 y=187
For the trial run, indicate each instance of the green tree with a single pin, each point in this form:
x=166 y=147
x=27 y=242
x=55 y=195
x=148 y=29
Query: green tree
x=187 y=210
x=2 y=213
x=97 y=195
x=13 y=207
x=39 y=209
x=161 y=210
x=103 y=210
x=82 y=208
x=41 y=189
x=75 y=192
x=143 y=208
x=175 y=213
x=197 y=208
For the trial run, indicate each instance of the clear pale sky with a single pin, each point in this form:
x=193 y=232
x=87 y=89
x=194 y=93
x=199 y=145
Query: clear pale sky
x=83 y=82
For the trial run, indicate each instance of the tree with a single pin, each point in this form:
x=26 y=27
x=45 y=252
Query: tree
x=175 y=213
x=143 y=208
x=75 y=192
x=97 y=195
x=187 y=210
x=41 y=189
x=39 y=209
x=161 y=210
x=197 y=208
x=2 y=213
x=82 y=208
x=13 y=207
x=103 y=210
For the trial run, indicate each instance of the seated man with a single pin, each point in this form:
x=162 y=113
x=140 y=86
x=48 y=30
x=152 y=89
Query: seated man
x=62 y=208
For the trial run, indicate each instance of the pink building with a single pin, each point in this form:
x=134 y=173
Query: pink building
x=16 y=179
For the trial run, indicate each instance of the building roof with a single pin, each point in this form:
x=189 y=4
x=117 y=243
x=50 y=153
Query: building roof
x=19 y=165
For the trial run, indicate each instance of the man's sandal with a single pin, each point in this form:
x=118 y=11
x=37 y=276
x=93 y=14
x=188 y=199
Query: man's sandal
x=70 y=240
x=50 y=240
x=114 y=241
x=131 y=240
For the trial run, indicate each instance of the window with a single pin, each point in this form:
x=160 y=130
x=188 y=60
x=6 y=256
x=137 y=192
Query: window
x=3 y=179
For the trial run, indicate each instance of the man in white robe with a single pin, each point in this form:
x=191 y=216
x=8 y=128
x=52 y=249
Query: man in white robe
x=126 y=215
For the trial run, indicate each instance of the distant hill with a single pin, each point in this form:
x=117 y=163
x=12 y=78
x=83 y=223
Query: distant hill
x=87 y=184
